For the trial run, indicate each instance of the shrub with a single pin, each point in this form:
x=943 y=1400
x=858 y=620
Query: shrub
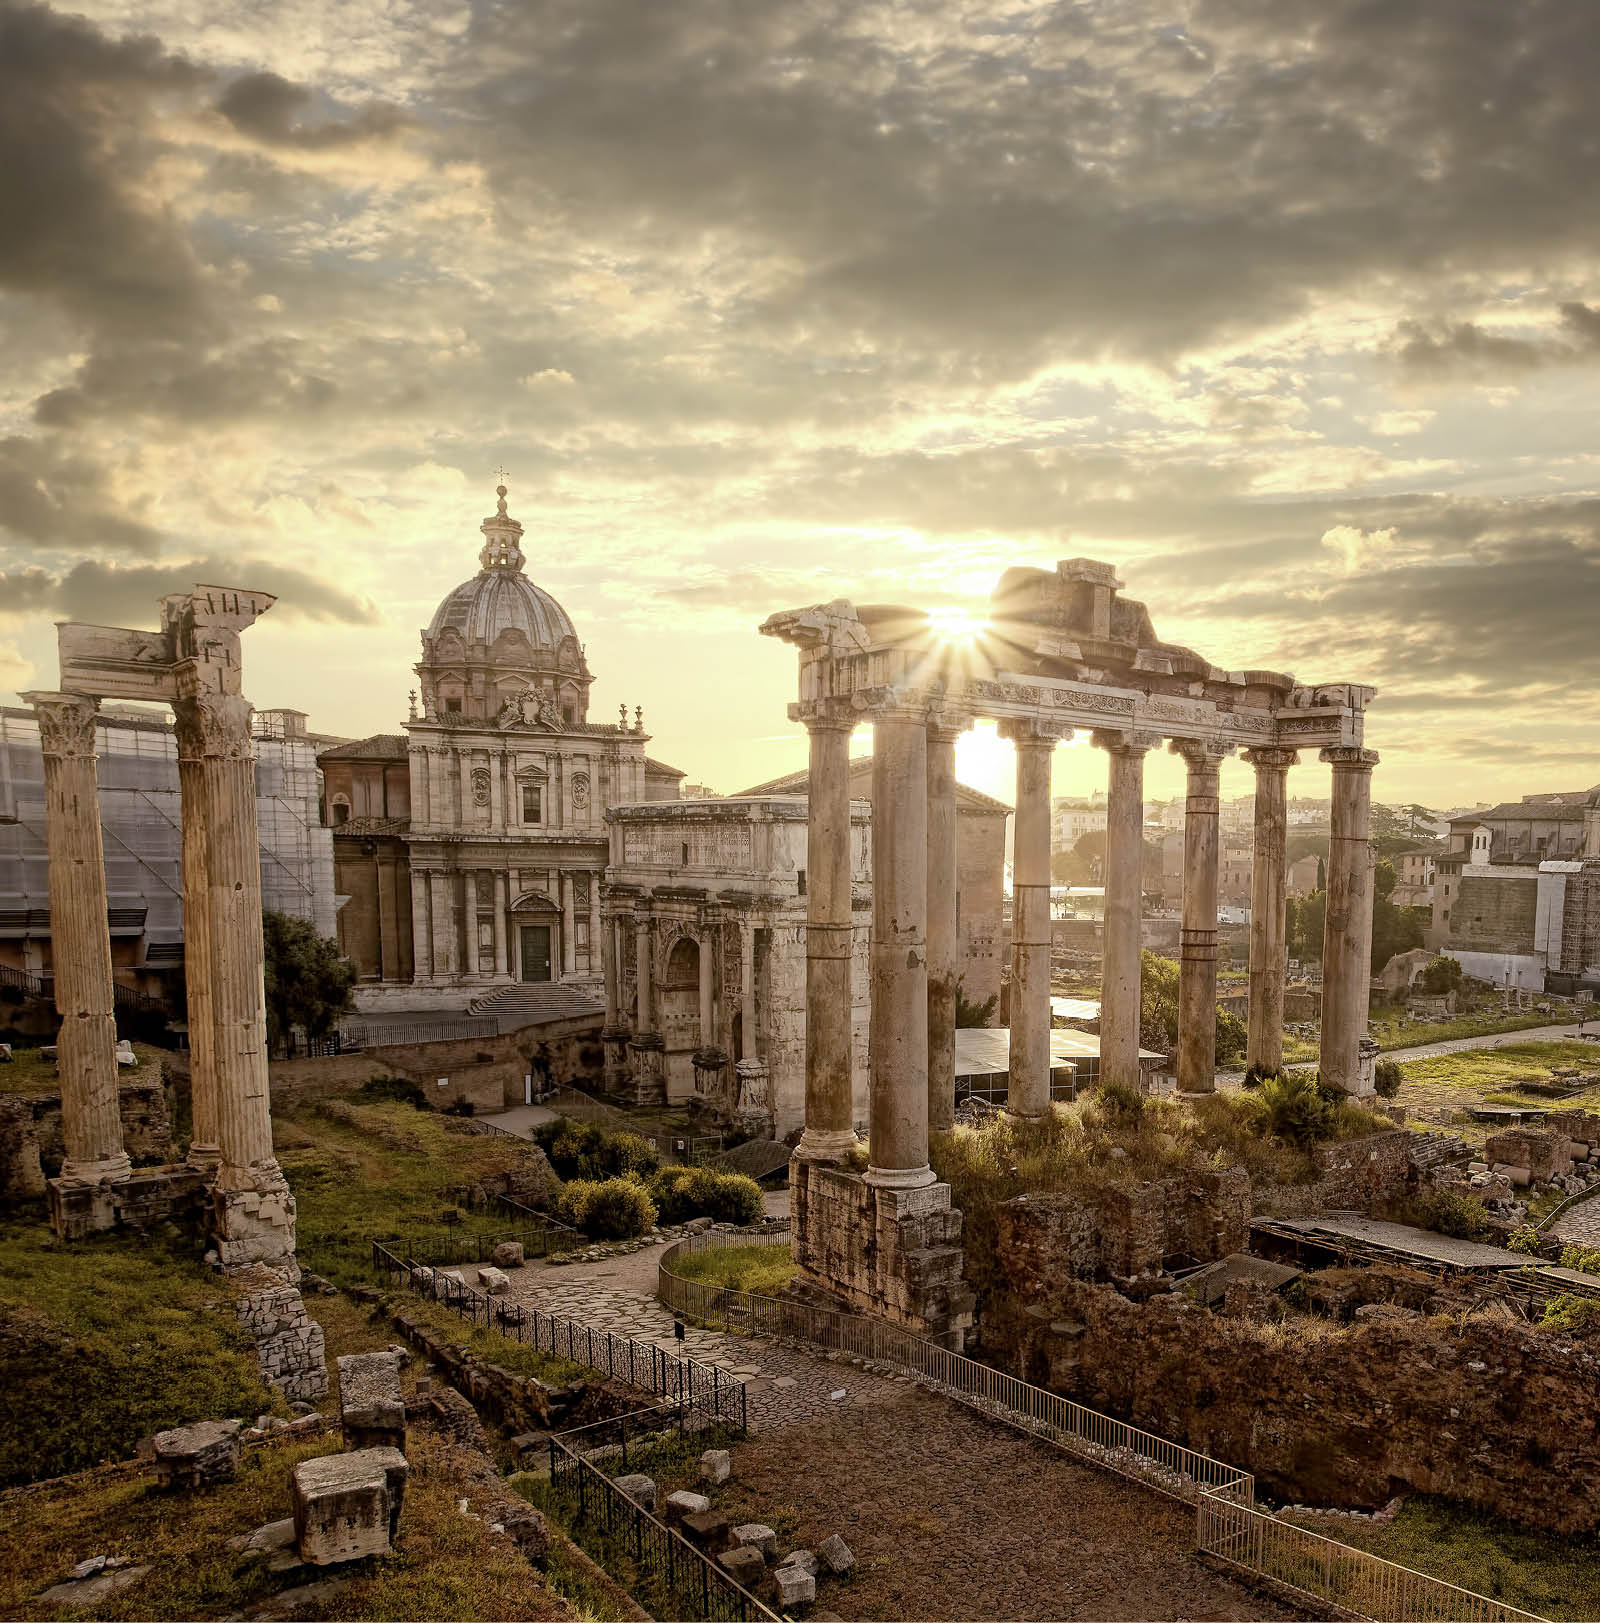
x=1442 y=976
x=1569 y=1312
x=398 y=1088
x=1524 y=1240
x=1387 y=1078
x=725 y=1197
x=1120 y=1106
x=1584 y=1258
x=612 y=1209
x=1257 y=1074
x=1232 y=1035
x=459 y=1107
x=1448 y=1211
x=1293 y=1107
x=578 y=1149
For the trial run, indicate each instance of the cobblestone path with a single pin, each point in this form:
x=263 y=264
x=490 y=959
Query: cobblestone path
x=1581 y=1223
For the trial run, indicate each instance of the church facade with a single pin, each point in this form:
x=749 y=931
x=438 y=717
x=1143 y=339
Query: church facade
x=469 y=850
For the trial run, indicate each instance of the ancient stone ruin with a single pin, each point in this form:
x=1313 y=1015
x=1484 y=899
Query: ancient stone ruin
x=192 y=663
x=1061 y=651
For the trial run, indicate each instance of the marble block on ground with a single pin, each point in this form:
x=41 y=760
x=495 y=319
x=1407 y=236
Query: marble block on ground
x=794 y=1585
x=744 y=1565
x=640 y=1489
x=684 y=1503
x=757 y=1536
x=199 y=1455
x=716 y=1465
x=347 y=1506
x=372 y=1408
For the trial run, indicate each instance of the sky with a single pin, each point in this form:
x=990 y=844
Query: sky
x=1290 y=309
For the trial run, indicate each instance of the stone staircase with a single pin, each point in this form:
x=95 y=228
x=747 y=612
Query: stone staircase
x=537 y=1003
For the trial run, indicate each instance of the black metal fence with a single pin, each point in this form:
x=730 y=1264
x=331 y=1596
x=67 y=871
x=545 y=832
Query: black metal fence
x=676 y=1579
x=702 y=1389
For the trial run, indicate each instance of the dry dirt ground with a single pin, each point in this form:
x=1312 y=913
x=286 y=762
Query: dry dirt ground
x=951 y=1516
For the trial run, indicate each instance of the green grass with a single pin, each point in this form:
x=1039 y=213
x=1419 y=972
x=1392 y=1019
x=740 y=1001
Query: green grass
x=1392 y=1029
x=1486 y=1070
x=445 y=1564
x=108 y=1340
x=1553 y=1575
x=762 y=1269
x=32 y=1076
x=490 y=1345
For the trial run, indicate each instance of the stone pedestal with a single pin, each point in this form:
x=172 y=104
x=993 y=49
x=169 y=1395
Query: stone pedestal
x=86 y=1046
x=891 y=1253
x=752 y=1111
x=829 y=1113
x=1347 y=928
x=647 y=1069
x=614 y=1042
x=372 y=1407
x=198 y=1456
x=714 y=1092
x=347 y=1506
x=1268 y=898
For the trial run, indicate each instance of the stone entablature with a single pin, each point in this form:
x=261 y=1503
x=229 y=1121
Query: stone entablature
x=710 y=896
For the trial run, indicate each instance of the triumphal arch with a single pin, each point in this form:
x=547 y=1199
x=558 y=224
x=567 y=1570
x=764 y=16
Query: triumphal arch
x=1060 y=651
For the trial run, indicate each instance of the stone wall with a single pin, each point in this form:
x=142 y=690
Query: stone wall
x=1496 y=1415
x=32 y=1145
x=1494 y=914
x=289 y=1342
x=893 y=1253
x=486 y=1070
x=1371 y=1175
x=1093 y=1234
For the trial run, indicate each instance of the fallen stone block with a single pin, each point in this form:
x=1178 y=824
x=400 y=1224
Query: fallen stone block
x=268 y=1539
x=708 y=1529
x=639 y=1488
x=347 y=1506
x=683 y=1503
x=198 y=1456
x=716 y=1465
x=494 y=1282
x=744 y=1565
x=508 y=1254
x=800 y=1558
x=836 y=1555
x=372 y=1408
x=757 y=1536
x=794 y=1585
x=529 y=1531
x=78 y=1593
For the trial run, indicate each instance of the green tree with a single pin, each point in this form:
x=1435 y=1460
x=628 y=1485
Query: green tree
x=307 y=983
x=1158 y=1011
x=1442 y=976
x=1084 y=864
x=1306 y=915
x=974 y=1014
x=1394 y=929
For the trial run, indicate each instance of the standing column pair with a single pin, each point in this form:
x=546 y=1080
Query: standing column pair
x=1347 y=926
x=1028 y=1092
x=80 y=943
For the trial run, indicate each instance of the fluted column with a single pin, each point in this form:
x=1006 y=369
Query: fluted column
x=748 y=1047
x=898 y=1043
x=569 y=928
x=1197 y=953
x=80 y=941
x=1119 y=978
x=944 y=976
x=1269 y=873
x=1347 y=928
x=233 y=880
x=706 y=962
x=442 y=920
x=829 y=1121
x=205 y=1146
x=1029 y=1091
x=500 y=924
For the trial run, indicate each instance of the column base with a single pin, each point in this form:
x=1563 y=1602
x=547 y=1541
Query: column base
x=900 y=1177
x=102 y=1171
x=614 y=1042
x=892 y=1253
x=647 y=1069
x=825 y=1144
x=204 y=1157
x=252 y=1219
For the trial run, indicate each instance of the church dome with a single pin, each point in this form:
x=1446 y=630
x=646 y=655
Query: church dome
x=500 y=598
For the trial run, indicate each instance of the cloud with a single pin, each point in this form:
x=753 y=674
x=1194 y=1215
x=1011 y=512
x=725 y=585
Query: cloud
x=268 y=108
x=108 y=594
x=52 y=497
x=1439 y=350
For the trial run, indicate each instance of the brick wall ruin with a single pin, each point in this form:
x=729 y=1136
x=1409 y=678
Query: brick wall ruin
x=32 y=1145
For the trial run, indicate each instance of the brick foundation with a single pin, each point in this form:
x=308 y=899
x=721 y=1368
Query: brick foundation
x=889 y=1253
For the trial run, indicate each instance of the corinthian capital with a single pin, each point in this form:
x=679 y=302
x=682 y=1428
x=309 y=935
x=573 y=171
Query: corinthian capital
x=1348 y=758
x=214 y=725
x=1266 y=758
x=66 y=723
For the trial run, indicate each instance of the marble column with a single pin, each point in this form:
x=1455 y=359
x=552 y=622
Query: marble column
x=594 y=920
x=499 y=924
x=1269 y=874
x=80 y=943
x=646 y=1018
x=748 y=1048
x=944 y=976
x=1119 y=979
x=1029 y=1091
x=421 y=934
x=619 y=957
x=611 y=969
x=1347 y=929
x=898 y=1042
x=705 y=958
x=829 y=1130
x=569 y=928
x=442 y=940
x=205 y=1148
x=1197 y=952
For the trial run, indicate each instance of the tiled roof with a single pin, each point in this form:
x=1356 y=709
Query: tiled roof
x=381 y=746
x=797 y=783
x=661 y=766
x=369 y=826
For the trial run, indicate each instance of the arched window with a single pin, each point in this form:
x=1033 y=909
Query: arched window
x=338 y=811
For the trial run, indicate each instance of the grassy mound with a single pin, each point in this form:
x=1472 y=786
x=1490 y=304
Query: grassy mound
x=763 y=1269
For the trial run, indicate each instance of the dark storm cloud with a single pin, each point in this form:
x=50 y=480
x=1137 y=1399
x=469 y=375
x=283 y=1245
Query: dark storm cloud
x=74 y=108
x=51 y=498
x=106 y=594
x=1107 y=178
x=268 y=108
x=1447 y=350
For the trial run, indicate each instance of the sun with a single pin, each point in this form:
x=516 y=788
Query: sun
x=956 y=625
